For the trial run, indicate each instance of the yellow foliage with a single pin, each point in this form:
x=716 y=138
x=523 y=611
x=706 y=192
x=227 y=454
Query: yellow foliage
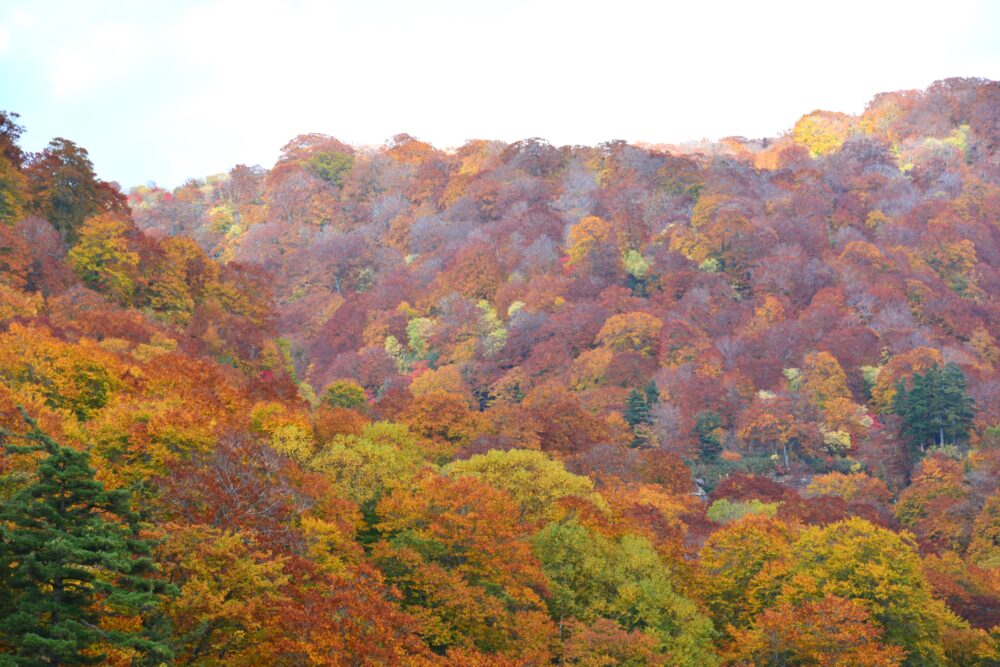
x=985 y=346
x=80 y=378
x=707 y=209
x=876 y=219
x=292 y=440
x=631 y=332
x=690 y=244
x=849 y=487
x=823 y=379
x=821 y=132
x=585 y=235
x=102 y=259
x=589 y=369
x=327 y=544
x=533 y=479
x=446 y=379
x=864 y=253
x=767 y=313
x=15 y=303
x=954 y=263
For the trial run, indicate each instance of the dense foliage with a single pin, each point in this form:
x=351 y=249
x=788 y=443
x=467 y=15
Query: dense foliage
x=511 y=404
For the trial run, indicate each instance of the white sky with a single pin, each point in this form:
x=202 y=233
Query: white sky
x=166 y=90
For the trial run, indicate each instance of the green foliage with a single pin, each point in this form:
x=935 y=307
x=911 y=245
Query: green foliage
x=935 y=408
x=637 y=409
x=794 y=377
x=591 y=577
x=651 y=394
x=65 y=188
x=417 y=348
x=492 y=331
x=635 y=264
x=639 y=412
x=94 y=387
x=710 y=265
x=345 y=394
x=707 y=427
x=724 y=510
x=637 y=270
x=102 y=258
x=857 y=560
x=713 y=472
x=869 y=375
x=291 y=551
x=12 y=192
x=70 y=562
x=417 y=334
x=331 y=166
x=535 y=481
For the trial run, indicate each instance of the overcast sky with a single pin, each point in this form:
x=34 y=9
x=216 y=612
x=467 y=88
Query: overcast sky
x=163 y=91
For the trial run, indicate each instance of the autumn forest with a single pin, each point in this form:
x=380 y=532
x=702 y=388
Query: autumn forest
x=513 y=404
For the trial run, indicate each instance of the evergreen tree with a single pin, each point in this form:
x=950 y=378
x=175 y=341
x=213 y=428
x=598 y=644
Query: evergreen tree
x=706 y=426
x=70 y=557
x=652 y=396
x=936 y=408
x=638 y=416
x=637 y=409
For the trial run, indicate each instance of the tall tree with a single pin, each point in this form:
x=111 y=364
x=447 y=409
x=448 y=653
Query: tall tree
x=12 y=181
x=936 y=408
x=707 y=426
x=638 y=415
x=10 y=133
x=74 y=576
x=66 y=190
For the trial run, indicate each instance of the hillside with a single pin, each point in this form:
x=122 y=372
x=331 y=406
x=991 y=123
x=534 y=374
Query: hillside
x=519 y=404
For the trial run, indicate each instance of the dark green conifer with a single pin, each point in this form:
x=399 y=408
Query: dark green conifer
x=706 y=426
x=70 y=556
x=639 y=414
x=936 y=408
x=652 y=395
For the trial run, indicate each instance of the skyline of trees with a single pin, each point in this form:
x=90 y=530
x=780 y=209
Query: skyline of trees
x=514 y=404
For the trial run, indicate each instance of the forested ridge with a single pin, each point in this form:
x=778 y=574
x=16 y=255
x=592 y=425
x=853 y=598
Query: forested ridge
x=721 y=403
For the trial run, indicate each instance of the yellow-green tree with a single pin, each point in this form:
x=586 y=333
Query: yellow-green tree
x=592 y=577
x=12 y=192
x=856 y=560
x=102 y=258
x=534 y=480
x=984 y=550
x=822 y=132
x=743 y=565
x=362 y=468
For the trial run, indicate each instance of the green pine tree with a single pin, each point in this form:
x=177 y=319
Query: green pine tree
x=652 y=395
x=936 y=408
x=639 y=415
x=70 y=556
x=636 y=409
x=706 y=426
x=960 y=408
